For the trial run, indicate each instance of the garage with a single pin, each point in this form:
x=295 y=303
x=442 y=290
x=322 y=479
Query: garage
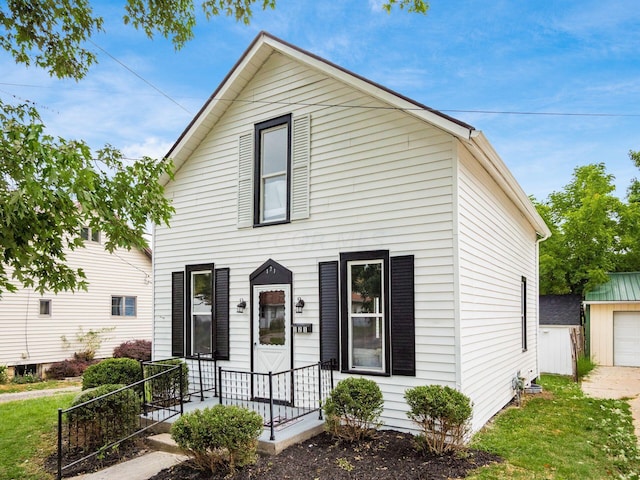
x=612 y=326
x=626 y=339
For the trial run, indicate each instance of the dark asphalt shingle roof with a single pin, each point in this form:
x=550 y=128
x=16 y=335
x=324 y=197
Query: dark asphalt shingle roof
x=560 y=309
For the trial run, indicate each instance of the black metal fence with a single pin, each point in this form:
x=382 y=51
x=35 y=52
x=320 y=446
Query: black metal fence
x=97 y=427
x=278 y=397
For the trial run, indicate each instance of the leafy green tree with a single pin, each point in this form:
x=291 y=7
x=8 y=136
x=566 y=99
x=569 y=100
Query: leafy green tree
x=585 y=218
x=629 y=258
x=50 y=188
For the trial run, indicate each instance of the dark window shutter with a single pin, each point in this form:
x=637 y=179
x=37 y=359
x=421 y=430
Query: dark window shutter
x=403 y=328
x=222 y=313
x=177 y=314
x=329 y=312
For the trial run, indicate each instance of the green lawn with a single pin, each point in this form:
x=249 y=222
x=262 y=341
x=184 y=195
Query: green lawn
x=28 y=435
x=562 y=435
x=46 y=385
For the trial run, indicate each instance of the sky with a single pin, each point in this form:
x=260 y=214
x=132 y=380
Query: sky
x=553 y=85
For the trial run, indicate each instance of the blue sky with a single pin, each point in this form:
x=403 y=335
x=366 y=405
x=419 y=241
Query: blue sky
x=468 y=58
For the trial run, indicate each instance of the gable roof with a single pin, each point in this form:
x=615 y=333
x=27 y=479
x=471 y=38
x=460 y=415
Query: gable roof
x=560 y=309
x=266 y=44
x=621 y=287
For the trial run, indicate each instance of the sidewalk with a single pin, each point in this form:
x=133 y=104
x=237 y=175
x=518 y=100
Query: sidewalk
x=139 y=468
x=616 y=383
x=12 y=397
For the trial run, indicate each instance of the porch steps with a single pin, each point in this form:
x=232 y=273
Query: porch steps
x=286 y=435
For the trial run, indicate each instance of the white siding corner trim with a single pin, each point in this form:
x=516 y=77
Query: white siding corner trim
x=245 y=180
x=300 y=160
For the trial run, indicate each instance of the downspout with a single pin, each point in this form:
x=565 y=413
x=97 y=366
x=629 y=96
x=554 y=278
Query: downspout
x=541 y=238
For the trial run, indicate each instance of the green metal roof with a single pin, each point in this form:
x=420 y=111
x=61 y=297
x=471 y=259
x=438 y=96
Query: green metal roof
x=622 y=287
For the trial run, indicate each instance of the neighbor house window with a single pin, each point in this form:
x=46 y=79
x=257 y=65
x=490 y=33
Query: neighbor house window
x=123 y=306
x=366 y=322
x=45 y=307
x=87 y=233
x=523 y=312
x=272 y=171
x=200 y=308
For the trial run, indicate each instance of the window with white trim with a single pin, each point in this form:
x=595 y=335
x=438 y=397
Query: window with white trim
x=366 y=315
x=122 y=306
x=90 y=234
x=200 y=298
x=45 y=307
x=272 y=171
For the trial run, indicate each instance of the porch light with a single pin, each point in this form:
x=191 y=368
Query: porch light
x=299 y=305
x=241 y=306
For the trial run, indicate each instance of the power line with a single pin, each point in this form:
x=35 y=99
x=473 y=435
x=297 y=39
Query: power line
x=167 y=96
x=333 y=105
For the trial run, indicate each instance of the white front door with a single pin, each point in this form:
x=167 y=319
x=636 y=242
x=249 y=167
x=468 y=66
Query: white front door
x=271 y=328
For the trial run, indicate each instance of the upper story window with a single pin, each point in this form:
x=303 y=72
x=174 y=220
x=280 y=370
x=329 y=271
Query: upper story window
x=272 y=171
x=123 y=306
x=45 y=307
x=89 y=234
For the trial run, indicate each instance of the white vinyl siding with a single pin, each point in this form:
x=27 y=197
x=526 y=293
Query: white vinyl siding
x=497 y=247
x=30 y=338
x=408 y=168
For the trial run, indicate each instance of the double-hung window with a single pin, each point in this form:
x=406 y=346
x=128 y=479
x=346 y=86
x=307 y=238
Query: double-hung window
x=123 y=306
x=45 y=307
x=272 y=171
x=200 y=309
x=366 y=315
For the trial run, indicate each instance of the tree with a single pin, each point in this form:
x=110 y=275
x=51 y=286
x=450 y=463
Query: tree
x=50 y=188
x=629 y=259
x=585 y=219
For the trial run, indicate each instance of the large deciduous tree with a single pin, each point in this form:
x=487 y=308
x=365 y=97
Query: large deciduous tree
x=593 y=232
x=51 y=188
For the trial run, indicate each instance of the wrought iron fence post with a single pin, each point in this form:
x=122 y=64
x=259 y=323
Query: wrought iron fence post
x=215 y=380
x=273 y=436
x=144 y=389
x=181 y=378
x=59 y=444
x=220 y=383
x=320 y=390
x=200 y=377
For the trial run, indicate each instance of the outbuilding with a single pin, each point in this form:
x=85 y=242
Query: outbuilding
x=613 y=320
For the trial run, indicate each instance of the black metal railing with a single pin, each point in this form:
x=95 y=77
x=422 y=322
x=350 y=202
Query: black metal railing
x=98 y=426
x=278 y=397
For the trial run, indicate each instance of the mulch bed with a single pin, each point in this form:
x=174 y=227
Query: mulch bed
x=390 y=455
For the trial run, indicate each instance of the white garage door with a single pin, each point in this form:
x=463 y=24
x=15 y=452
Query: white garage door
x=626 y=339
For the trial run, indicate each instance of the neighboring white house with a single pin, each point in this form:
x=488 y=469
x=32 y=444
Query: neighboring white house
x=412 y=246
x=118 y=299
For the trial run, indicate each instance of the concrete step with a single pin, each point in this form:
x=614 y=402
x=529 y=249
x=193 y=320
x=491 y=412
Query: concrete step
x=164 y=443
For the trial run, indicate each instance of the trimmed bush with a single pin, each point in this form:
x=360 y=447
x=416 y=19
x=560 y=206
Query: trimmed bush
x=443 y=415
x=106 y=420
x=353 y=409
x=161 y=390
x=222 y=437
x=137 y=349
x=110 y=371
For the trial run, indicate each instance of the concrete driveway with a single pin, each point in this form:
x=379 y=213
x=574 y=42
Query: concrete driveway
x=616 y=382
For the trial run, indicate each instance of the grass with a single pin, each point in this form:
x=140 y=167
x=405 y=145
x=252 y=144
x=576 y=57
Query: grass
x=562 y=434
x=27 y=387
x=585 y=365
x=29 y=436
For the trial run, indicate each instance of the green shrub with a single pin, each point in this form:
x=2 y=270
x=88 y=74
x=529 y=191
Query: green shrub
x=353 y=408
x=442 y=414
x=26 y=378
x=222 y=437
x=105 y=420
x=4 y=375
x=73 y=367
x=110 y=371
x=162 y=389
